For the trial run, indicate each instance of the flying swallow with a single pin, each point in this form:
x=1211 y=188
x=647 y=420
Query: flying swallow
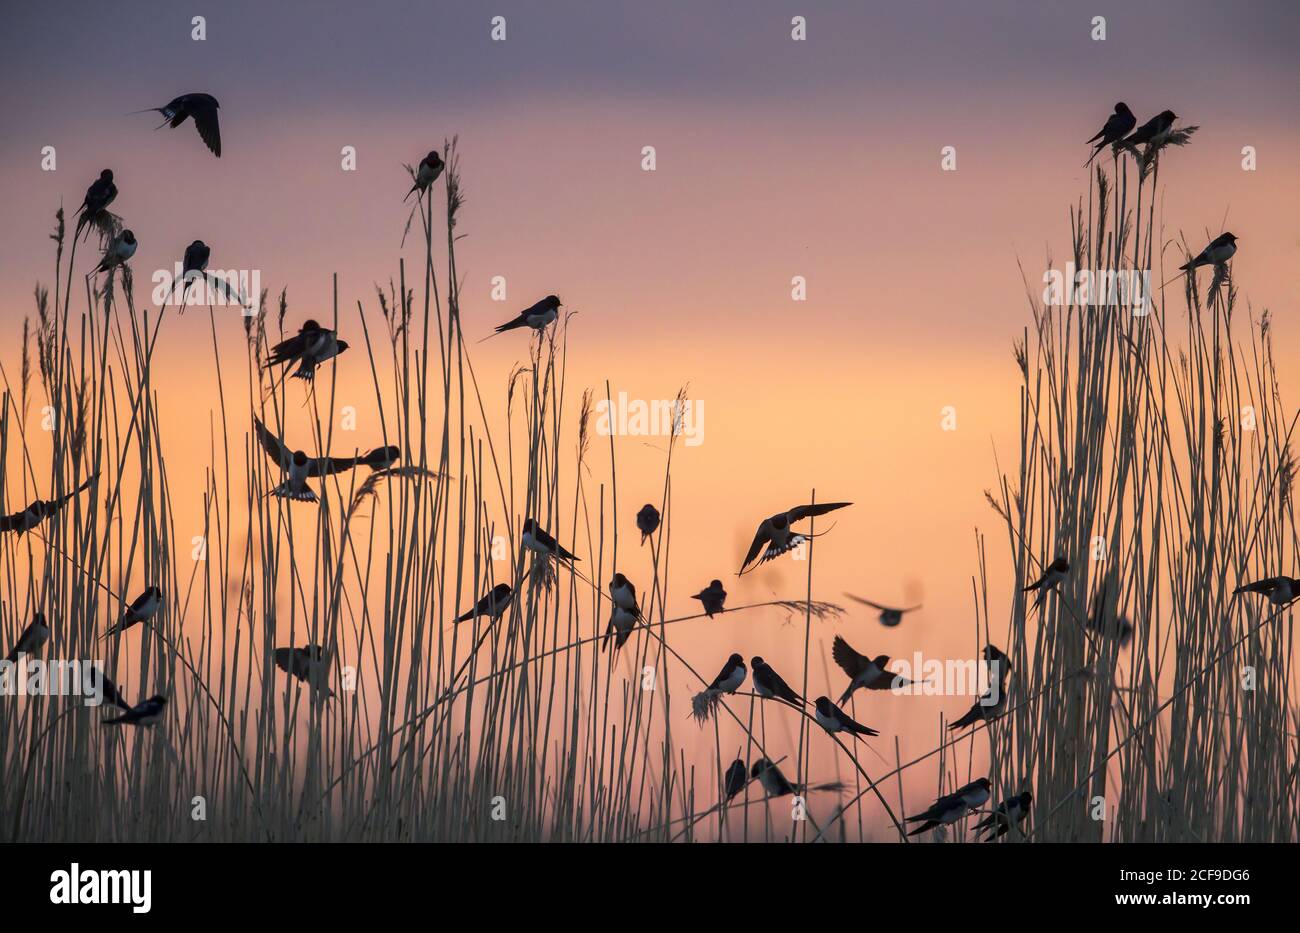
x=713 y=597
x=952 y=807
x=307 y=664
x=99 y=195
x=736 y=778
x=775 y=783
x=769 y=685
x=381 y=458
x=33 y=637
x=986 y=709
x=1221 y=249
x=202 y=107
x=1008 y=813
x=1118 y=125
x=621 y=623
x=1100 y=621
x=147 y=713
x=493 y=605
x=833 y=719
x=310 y=347
x=144 y=607
x=298 y=466
x=869 y=673
x=430 y=168
x=121 y=249
x=38 y=511
x=1056 y=571
x=647 y=520
x=535 y=316
x=889 y=616
x=1153 y=132
x=536 y=539
x=193 y=265
x=1279 y=590
x=776 y=534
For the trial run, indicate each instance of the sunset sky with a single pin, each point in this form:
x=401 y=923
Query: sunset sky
x=775 y=159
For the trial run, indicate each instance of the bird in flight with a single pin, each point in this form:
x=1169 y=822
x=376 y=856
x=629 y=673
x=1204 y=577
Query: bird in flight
x=537 y=540
x=120 y=249
x=430 y=168
x=381 y=458
x=1008 y=813
x=865 y=672
x=306 y=664
x=493 y=605
x=952 y=807
x=33 y=637
x=776 y=534
x=769 y=685
x=889 y=616
x=38 y=511
x=202 y=107
x=310 y=347
x=99 y=195
x=833 y=719
x=1153 y=132
x=1118 y=125
x=647 y=520
x=1279 y=590
x=536 y=316
x=298 y=466
x=146 y=713
x=713 y=597
x=145 y=606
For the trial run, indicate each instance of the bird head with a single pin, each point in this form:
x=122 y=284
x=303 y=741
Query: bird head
x=159 y=699
x=759 y=767
x=823 y=705
x=1060 y=565
x=715 y=585
x=1230 y=238
x=433 y=158
x=343 y=345
x=299 y=458
x=128 y=237
x=530 y=526
x=501 y=591
x=106 y=175
x=154 y=591
x=553 y=301
x=880 y=661
x=308 y=326
x=38 y=618
x=983 y=783
x=618 y=582
x=1026 y=799
x=735 y=659
x=1168 y=115
x=1122 y=107
x=756 y=662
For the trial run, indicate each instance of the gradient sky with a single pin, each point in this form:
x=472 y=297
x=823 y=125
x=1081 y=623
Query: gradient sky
x=775 y=158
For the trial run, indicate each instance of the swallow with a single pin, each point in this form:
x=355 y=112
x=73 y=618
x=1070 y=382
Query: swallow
x=202 y=107
x=985 y=709
x=833 y=719
x=193 y=265
x=731 y=676
x=147 y=713
x=1279 y=590
x=537 y=540
x=99 y=195
x=621 y=623
x=535 y=316
x=996 y=663
x=734 y=781
x=1008 y=813
x=775 y=783
x=769 y=685
x=120 y=249
x=1120 y=627
x=493 y=605
x=714 y=598
x=776 y=534
x=33 y=637
x=145 y=606
x=381 y=458
x=310 y=347
x=1118 y=125
x=307 y=664
x=430 y=168
x=298 y=466
x=869 y=673
x=889 y=616
x=952 y=807
x=1221 y=249
x=623 y=592
x=109 y=693
x=38 y=511
x=1153 y=132
x=1056 y=571
x=647 y=520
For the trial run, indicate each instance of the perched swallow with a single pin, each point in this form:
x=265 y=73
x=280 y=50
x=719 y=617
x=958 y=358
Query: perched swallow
x=869 y=673
x=537 y=540
x=713 y=597
x=535 y=316
x=623 y=592
x=193 y=265
x=430 y=168
x=202 y=107
x=38 y=511
x=952 y=807
x=1056 y=571
x=833 y=719
x=986 y=708
x=1221 y=249
x=108 y=693
x=1279 y=590
x=1154 y=131
x=889 y=616
x=99 y=195
x=647 y=520
x=145 y=606
x=731 y=676
x=493 y=605
x=298 y=466
x=1118 y=125
x=148 y=713
x=121 y=249
x=775 y=783
x=310 y=347
x=307 y=664
x=734 y=781
x=996 y=663
x=776 y=534
x=769 y=685
x=1008 y=813
x=33 y=637
x=621 y=623
x=381 y=458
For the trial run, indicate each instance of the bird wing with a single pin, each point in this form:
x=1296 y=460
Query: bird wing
x=54 y=504
x=850 y=661
x=274 y=448
x=800 y=512
x=205 y=121
x=325 y=466
x=285 y=350
x=1267 y=585
x=761 y=537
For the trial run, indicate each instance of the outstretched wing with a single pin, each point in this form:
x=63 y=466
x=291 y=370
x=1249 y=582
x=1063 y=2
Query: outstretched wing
x=761 y=537
x=53 y=505
x=850 y=661
x=205 y=121
x=274 y=448
x=324 y=466
x=800 y=512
